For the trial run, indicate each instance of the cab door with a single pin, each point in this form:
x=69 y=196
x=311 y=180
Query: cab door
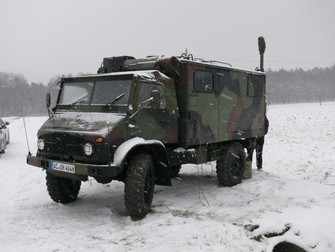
x=152 y=120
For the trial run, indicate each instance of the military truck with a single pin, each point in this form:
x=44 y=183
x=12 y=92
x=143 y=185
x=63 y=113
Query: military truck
x=139 y=120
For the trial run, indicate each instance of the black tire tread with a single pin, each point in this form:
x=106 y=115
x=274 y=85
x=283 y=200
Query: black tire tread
x=62 y=190
x=222 y=167
x=138 y=167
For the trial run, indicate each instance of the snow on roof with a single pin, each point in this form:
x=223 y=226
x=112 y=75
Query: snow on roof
x=147 y=74
x=215 y=63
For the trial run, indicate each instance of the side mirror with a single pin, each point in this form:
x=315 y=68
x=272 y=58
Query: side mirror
x=6 y=123
x=48 y=103
x=155 y=95
x=48 y=100
x=130 y=109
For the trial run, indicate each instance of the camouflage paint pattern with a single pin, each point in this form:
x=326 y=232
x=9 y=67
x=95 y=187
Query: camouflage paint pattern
x=231 y=106
x=233 y=110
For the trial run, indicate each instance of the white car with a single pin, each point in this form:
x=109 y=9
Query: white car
x=5 y=130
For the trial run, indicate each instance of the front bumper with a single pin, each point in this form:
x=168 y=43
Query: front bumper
x=81 y=171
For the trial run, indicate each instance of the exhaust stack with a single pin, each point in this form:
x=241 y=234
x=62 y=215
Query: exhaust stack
x=261 y=48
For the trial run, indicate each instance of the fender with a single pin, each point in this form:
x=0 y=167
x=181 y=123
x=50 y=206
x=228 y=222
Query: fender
x=153 y=147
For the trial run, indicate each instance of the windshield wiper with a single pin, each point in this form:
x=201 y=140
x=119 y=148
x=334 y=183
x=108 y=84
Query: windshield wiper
x=114 y=100
x=76 y=102
x=80 y=100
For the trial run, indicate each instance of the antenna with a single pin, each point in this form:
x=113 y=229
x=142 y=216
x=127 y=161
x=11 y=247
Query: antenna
x=25 y=130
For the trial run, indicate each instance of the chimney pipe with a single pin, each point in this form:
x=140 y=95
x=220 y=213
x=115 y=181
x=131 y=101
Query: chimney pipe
x=261 y=48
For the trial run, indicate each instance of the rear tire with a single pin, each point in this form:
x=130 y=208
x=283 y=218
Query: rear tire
x=62 y=190
x=139 y=186
x=230 y=168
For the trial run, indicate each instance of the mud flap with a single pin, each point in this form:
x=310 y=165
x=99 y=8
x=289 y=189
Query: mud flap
x=248 y=170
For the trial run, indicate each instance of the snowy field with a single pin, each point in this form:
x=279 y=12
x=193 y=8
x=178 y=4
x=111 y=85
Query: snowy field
x=292 y=200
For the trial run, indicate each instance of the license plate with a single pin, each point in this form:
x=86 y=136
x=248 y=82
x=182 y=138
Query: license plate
x=63 y=167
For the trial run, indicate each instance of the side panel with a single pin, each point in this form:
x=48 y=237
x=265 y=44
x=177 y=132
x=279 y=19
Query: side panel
x=232 y=108
x=241 y=104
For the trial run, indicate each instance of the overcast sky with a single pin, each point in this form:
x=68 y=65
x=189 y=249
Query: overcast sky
x=44 y=38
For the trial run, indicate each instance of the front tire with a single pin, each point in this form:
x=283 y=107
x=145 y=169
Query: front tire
x=62 y=190
x=231 y=166
x=139 y=186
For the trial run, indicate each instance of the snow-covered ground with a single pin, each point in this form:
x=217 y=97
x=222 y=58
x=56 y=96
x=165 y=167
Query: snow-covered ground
x=292 y=200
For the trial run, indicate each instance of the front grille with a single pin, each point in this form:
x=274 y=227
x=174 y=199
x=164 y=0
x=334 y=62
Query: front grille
x=74 y=150
x=64 y=149
x=68 y=147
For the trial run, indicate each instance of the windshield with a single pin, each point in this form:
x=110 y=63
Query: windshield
x=112 y=92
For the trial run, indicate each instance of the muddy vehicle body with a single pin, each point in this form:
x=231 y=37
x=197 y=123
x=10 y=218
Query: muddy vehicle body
x=139 y=120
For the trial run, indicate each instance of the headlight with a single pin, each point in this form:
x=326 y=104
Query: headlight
x=40 y=144
x=88 y=149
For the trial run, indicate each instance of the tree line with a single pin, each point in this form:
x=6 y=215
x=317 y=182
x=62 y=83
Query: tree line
x=20 y=98
x=297 y=86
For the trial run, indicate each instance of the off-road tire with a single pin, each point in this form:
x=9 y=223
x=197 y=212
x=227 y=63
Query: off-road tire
x=231 y=166
x=174 y=171
x=139 y=186
x=62 y=190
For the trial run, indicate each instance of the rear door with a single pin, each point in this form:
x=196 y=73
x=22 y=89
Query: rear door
x=203 y=105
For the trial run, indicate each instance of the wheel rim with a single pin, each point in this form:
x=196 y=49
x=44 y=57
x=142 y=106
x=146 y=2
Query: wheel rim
x=236 y=165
